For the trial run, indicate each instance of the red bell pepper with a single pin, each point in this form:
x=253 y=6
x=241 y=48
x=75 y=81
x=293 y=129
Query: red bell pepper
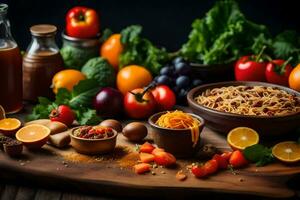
x=278 y=72
x=82 y=22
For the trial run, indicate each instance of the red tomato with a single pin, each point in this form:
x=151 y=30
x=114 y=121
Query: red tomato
x=222 y=162
x=164 y=97
x=278 y=72
x=164 y=159
x=249 y=70
x=211 y=166
x=82 y=22
x=63 y=114
x=237 y=159
x=147 y=147
x=139 y=104
x=198 y=171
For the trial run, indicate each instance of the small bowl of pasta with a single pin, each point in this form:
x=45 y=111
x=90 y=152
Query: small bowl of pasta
x=177 y=132
x=268 y=108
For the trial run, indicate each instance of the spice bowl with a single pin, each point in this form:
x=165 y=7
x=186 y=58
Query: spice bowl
x=93 y=146
x=176 y=141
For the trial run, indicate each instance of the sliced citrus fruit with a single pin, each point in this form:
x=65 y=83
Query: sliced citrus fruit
x=2 y=112
x=33 y=136
x=242 y=137
x=287 y=151
x=9 y=126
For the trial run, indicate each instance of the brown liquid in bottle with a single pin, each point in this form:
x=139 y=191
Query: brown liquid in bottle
x=38 y=71
x=11 y=79
x=41 y=62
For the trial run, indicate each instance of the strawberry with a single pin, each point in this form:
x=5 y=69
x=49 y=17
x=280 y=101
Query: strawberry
x=146 y=147
x=222 y=162
x=157 y=150
x=211 y=166
x=164 y=158
x=141 y=168
x=237 y=159
x=198 y=171
x=146 y=157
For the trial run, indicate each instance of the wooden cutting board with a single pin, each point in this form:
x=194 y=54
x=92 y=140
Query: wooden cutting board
x=106 y=175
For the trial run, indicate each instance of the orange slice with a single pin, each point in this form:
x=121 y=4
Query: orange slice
x=2 y=112
x=287 y=151
x=33 y=136
x=242 y=137
x=8 y=126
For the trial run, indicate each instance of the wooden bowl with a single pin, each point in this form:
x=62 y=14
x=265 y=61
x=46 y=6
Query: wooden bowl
x=224 y=122
x=176 y=141
x=93 y=146
x=213 y=73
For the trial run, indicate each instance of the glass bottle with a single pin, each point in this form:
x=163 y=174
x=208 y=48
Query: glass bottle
x=10 y=67
x=41 y=62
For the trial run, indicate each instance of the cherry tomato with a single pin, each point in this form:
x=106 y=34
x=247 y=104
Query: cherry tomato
x=82 y=22
x=211 y=166
x=249 y=70
x=222 y=162
x=63 y=114
x=294 y=79
x=111 y=50
x=164 y=97
x=237 y=159
x=278 y=72
x=198 y=171
x=139 y=104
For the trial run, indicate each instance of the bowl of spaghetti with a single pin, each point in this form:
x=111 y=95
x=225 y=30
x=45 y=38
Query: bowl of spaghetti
x=177 y=132
x=270 y=109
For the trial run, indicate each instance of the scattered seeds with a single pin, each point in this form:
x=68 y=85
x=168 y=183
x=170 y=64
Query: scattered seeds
x=180 y=176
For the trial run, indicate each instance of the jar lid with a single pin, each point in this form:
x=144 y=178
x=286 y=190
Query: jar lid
x=43 y=30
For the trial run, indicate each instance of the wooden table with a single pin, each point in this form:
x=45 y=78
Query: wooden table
x=28 y=186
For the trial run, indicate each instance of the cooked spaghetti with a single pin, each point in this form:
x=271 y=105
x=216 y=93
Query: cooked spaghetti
x=180 y=120
x=250 y=100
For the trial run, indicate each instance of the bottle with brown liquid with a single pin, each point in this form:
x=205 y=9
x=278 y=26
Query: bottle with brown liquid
x=10 y=67
x=41 y=62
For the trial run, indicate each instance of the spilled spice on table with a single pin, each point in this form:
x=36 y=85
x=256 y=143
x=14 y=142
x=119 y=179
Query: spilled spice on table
x=120 y=153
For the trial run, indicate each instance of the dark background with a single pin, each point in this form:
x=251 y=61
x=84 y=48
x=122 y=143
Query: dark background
x=166 y=23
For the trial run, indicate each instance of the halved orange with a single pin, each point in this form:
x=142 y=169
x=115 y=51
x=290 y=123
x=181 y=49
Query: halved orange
x=33 y=136
x=2 y=112
x=242 y=137
x=287 y=151
x=9 y=126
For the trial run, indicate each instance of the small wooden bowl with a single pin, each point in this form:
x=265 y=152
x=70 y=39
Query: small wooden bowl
x=93 y=146
x=176 y=141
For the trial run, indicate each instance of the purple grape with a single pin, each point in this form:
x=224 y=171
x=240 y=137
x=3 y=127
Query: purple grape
x=182 y=68
x=164 y=80
x=182 y=81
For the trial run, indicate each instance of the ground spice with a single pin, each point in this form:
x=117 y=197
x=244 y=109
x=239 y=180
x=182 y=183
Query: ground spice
x=119 y=153
x=129 y=160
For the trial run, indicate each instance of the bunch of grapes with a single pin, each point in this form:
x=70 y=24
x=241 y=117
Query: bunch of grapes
x=177 y=75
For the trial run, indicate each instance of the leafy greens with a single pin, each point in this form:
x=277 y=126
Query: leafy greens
x=223 y=35
x=140 y=51
x=79 y=100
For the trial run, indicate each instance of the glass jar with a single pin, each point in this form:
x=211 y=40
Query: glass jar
x=10 y=67
x=41 y=62
x=76 y=51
